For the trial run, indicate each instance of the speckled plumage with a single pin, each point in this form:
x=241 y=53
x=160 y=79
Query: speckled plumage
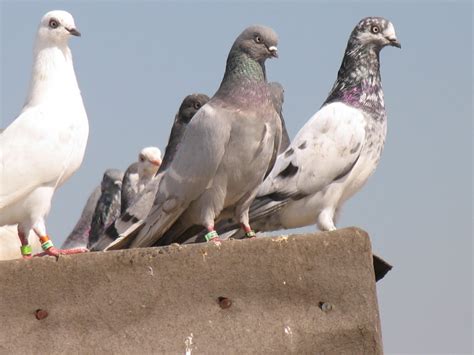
x=108 y=205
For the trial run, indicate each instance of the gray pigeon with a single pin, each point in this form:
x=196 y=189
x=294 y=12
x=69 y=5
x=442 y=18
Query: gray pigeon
x=227 y=149
x=188 y=108
x=278 y=96
x=138 y=211
x=108 y=205
x=138 y=175
x=79 y=237
x=180 y=231
x=336 y=151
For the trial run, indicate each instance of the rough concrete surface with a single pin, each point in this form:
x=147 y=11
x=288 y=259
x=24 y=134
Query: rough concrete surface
x=306 y=294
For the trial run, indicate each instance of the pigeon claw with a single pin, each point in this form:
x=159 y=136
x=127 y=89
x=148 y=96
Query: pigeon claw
x=56 y=252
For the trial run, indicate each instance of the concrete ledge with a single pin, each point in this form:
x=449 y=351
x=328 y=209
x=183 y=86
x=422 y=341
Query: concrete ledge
x=298 y=294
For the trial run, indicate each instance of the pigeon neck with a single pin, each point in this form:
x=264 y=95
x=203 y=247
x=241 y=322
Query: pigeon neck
x=52 y=75
x=246 y=72
x=358 y=81
x=174 y=139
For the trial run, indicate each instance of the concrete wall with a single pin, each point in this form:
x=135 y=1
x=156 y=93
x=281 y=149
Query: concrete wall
x=298 y=294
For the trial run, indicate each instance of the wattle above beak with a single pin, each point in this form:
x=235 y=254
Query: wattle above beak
x=74 y=32
x=395 y=42
x=156 y=162
x=273 y=51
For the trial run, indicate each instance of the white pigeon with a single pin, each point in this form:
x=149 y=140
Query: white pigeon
x=139 y=174
x=45 y=144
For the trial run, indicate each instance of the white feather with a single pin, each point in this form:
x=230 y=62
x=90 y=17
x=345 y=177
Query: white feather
x=45 y=144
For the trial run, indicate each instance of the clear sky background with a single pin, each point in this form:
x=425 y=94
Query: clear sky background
x=136 y=61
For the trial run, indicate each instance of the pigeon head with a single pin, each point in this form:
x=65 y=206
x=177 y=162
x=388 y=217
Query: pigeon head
x=258 y=42
x=375 y=31
x=57 y=27
x=358 y=79
x=112 y=180
x=149 y=160
x=190 y=105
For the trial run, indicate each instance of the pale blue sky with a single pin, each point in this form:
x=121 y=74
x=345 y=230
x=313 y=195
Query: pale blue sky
x=135 y=63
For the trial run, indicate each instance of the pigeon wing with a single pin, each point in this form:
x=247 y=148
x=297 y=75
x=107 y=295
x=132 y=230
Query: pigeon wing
x=30 y=155
x=324 y=150
x=189 y=174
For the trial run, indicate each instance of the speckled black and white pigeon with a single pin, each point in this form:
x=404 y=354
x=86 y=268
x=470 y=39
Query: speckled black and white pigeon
x=79 y=236
x=336 y=151
x=128 y=220
x=226 y=151
x=108 y=205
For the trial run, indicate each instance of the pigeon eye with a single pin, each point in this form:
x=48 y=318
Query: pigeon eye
x=53 y=23
x=375 y=29
x=197 y=105
x=142 y=158
x=258 y=39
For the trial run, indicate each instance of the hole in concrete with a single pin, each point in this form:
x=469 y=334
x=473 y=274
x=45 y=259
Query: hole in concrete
x=41 y=314
x=325 y=306
x=224 y=302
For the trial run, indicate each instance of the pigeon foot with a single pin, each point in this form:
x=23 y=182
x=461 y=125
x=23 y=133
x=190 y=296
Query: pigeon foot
x=53 y=251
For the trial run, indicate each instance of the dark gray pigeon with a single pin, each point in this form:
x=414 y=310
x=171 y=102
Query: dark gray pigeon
x=138 y=175
x=227 y=149
x=108 y=205
x=138 y=211
x=188 y=108
x=79 y=237
x=337 y=150
x=278 y=97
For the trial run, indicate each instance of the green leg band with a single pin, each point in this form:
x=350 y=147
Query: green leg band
x=250 y=234
x=26 y=249
x=46 y=245
x=211 y=235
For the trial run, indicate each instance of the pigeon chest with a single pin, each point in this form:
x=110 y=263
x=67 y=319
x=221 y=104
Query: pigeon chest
x=72 y=134
x=369 y=157
x=250 y=152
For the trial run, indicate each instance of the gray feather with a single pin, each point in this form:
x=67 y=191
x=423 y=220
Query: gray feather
x=79 y=237
x=133 y=216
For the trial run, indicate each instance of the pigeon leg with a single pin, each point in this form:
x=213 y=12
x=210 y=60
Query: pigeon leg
x=25 y=247
x=50 y=249
x=212 y=235
x=325 y=220
x=243 y=218
x=249 y=232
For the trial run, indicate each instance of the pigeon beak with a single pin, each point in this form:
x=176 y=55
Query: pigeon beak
x=156 y=162
x=273 y=51
x=393 y=41
x=74 y=32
